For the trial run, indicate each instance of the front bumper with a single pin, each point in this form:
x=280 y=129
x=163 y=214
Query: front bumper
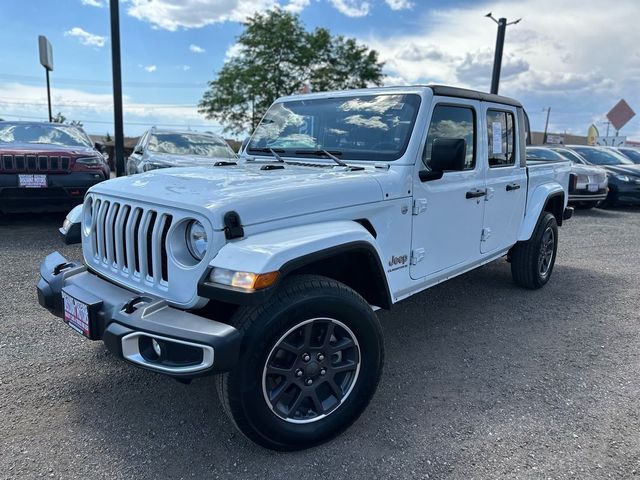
x=624 y=193
x=127 y=322
x=584 y=195
x=63 y=191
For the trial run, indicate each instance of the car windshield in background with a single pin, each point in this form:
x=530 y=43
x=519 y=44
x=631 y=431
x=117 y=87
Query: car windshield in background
x=631 y=154
x=190 y=144
x=363 y=127
x=544 y=154
x=570 y=155
x=602 y=157
x=50 y=134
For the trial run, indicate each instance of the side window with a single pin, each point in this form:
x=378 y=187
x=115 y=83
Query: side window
x=502 y=138
x=450 y=121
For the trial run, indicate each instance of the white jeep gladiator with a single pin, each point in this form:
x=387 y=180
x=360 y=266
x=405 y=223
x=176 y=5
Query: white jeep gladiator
x=267 y=271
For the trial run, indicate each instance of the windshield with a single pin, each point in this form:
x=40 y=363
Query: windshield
x=544 y=154
x=364 y=127
x=597 y=156
x=631 y=154
x=570 y=155
x=51 y=134
x=190 y=144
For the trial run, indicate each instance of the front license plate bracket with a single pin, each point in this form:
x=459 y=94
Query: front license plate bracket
x=80 y=310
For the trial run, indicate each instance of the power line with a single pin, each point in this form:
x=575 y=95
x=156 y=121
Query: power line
x=78 y=81
x=11 y=101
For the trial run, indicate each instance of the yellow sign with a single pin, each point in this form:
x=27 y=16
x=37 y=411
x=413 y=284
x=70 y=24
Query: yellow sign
x=592 y=135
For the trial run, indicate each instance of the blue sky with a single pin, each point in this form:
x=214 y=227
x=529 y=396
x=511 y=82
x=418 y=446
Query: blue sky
x=573 y=56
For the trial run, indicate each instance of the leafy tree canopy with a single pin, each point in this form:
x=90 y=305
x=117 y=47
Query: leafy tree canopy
x=276 y=56
x=60 y=118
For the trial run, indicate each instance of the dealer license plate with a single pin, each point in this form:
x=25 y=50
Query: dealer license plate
x=76 y=314
x=592 y=187
x=32 y=181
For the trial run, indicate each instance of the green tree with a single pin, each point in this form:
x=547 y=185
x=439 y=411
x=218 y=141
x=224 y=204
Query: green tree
x=276 y=56
x=60 y=118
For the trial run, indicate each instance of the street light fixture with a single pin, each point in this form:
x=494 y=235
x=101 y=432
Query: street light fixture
x=497 y=59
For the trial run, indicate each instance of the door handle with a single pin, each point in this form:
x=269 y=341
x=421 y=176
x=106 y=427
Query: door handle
x=476 y=193
x=513 y=186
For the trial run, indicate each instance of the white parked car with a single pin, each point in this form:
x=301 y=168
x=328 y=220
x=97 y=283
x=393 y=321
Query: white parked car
x=159 y=148
x=269 y=272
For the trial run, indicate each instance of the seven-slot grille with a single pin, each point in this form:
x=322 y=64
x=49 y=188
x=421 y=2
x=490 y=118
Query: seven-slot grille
x=34 y=163
x=131 y=240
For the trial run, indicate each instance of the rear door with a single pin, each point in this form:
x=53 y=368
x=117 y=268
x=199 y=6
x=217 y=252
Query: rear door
x=505 y=178
x=447 y=222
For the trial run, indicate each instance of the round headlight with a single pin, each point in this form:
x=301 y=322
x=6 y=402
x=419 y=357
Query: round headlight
x=87 y=216
x=197 y=240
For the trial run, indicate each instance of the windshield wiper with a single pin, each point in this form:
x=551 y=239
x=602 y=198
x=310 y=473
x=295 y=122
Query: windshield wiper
x=332 y=156
x=269 y=150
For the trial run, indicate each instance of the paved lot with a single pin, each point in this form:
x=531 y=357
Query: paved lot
x=483 y=380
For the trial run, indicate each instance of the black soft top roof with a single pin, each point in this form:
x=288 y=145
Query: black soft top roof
x=447 y=91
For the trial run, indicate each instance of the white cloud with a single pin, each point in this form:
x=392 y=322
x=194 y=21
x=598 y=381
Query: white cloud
x=92 y=3
x=351 y=8
x=399 y=4
x=172 y=15
x=150 y=68
x=85 y=37
x=185 y=68
x=196 y=49
x=296 y=6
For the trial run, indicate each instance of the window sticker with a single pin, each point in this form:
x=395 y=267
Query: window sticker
x=496 y=128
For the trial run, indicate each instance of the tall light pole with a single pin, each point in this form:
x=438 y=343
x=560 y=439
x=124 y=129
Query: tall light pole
x=497 y=59
x=118 y=133
x=546 y=125
x=46 y=60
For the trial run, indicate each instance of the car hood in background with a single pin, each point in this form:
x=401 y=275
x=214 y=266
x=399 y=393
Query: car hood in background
x=587 y=169
x=185 y=160
x=633 y=170
x=256 y=194
x=28 y=148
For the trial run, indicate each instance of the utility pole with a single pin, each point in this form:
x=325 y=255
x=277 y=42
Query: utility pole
x=497 y=59
x=118 y=131
x=546 y=126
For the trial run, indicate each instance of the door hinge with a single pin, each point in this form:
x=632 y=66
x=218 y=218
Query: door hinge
x=419 y=205
x=417 y=255
x=486 y=233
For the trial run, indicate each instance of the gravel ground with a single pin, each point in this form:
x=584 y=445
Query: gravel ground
x=482 y=380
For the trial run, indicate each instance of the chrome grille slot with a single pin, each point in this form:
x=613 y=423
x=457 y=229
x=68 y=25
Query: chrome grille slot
x=43 y=163
x=19 y=162
x=7 y=162
x=64 y=162
x=54 y=163
x=31 y=162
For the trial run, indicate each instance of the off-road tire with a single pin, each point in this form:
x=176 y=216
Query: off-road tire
x=525 y=256
x=299 y=299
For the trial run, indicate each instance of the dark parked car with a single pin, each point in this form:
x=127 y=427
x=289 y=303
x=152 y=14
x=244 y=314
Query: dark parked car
x=624 y=175
x=589 y=185
x=632 y=154
x=46 y=166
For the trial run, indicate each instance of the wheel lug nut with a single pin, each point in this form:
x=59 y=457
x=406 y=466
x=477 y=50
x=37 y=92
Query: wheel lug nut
x=299 y=373
x=309 y=381
x=306 y=357
x=320 y=357
x=323 y=371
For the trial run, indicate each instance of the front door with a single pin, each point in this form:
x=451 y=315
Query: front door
x=447 y=221
x=506 y=179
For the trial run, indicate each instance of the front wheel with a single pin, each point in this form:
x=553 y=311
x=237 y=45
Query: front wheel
x=310 y=363
x=532 y=261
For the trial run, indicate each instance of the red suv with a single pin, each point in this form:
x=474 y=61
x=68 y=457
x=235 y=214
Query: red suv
x=46 y=166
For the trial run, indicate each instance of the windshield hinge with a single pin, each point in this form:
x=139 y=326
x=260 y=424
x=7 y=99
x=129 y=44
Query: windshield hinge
x=419 y=205
x=417 y=255
x=232 y=226
x=486 y=233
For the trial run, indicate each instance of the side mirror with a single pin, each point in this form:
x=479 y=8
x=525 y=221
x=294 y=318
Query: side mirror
x=447 y=154
x=70 y=230
x=99 y=147
x=138 y=150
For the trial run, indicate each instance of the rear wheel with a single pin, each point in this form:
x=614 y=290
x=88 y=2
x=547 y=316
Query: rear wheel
x=311 y=360
x=532 y=261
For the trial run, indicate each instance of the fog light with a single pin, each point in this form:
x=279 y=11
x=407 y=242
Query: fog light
x=156 y=347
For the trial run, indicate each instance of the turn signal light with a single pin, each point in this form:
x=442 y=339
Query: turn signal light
x=246 y=280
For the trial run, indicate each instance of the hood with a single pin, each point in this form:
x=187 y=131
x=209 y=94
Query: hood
x=17 y=148
x=257 y=195
x=186 y=160
x=579 y=169
x=632 y=170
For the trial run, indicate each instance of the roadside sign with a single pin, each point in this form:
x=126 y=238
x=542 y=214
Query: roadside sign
x=613 y=141
x=555 y=139
x=620 y=114
x=592 y=134
x=46 y=52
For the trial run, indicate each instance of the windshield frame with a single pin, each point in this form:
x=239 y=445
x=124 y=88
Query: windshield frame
x=306 y=151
